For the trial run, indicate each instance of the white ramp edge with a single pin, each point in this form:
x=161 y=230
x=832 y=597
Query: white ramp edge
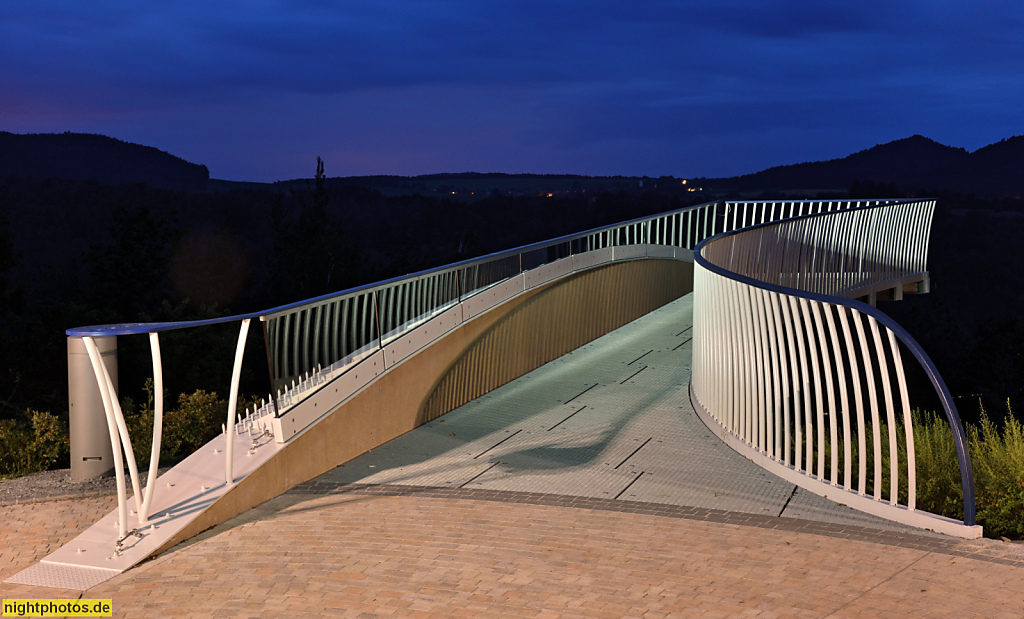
x=182 y=494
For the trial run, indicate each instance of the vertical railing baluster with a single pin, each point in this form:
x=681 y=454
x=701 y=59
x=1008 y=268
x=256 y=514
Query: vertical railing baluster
x=908 y=425
x=229 y=430
x=158 y=426
x=828 y=363
x=890 y=413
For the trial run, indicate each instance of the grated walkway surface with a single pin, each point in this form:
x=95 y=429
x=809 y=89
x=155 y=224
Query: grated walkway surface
x=611 y=420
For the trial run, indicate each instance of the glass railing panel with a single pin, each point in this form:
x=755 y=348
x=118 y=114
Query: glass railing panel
x=545 y=255
x=306 y=339
x=409 y=303
x=480 y=276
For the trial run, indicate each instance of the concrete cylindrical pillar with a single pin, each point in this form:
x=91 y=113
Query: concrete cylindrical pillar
x=91 y=453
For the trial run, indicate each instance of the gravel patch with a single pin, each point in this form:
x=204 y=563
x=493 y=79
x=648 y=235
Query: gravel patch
x=53 y=485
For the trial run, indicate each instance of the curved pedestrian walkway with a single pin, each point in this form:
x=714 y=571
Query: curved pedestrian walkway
x=611 y=420
x=585 y=489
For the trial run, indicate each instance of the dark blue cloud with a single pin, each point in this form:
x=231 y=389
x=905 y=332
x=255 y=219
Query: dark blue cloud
x=258 y=89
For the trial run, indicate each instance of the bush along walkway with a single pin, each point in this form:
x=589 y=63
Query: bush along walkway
x=997 y=456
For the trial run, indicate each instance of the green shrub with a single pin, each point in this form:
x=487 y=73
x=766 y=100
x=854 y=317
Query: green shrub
x=15 y=437
x=139 y=421
x=998 y=459
x=196 y=420
x=51 y=442
x=34 y=445
x=41 y=441
x=939 y=490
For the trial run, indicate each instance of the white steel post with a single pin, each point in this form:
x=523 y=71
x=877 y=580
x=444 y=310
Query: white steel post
x=115 y=442
x=229 y=433
x=158 y=424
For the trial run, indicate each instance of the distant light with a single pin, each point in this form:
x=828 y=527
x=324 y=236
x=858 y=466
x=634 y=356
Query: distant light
x=550 y=195
x=684 y=181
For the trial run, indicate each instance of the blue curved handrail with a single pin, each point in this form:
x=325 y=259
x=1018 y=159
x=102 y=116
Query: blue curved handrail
x=949 y=408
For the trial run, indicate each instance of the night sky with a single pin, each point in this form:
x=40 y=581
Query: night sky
x=257 y=90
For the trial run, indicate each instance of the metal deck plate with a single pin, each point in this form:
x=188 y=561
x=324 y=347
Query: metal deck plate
x=46 y=574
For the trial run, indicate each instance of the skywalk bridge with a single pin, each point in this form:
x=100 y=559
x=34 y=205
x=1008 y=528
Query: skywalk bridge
x=771 y=303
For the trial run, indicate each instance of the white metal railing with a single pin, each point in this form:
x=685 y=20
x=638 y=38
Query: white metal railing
x=311 y=342
x=809 y=381
x=832 y=255
x=323 y=331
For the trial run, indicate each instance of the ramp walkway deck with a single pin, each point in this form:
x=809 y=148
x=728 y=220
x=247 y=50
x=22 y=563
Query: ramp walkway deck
x=611 y=420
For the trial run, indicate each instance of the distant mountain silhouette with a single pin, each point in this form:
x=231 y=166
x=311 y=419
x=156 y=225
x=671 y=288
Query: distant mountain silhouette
x=913 y=164
x=85 y=156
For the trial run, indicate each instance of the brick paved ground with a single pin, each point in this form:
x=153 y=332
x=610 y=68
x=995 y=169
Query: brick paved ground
x=30 y=531
x=367 y=553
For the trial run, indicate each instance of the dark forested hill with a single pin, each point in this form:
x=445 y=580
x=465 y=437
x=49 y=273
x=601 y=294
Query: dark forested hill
x=84 y=156
x=913 y=164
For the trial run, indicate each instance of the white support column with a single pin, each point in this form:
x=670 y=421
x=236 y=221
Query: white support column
x=763 y=394
x=819 y=418
x=791 y=422
x=844 y=402
x=126 y=444
x=873 y=401
x=779 y=376
x=828 y=362
x=801 y=397
x=858 y=396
